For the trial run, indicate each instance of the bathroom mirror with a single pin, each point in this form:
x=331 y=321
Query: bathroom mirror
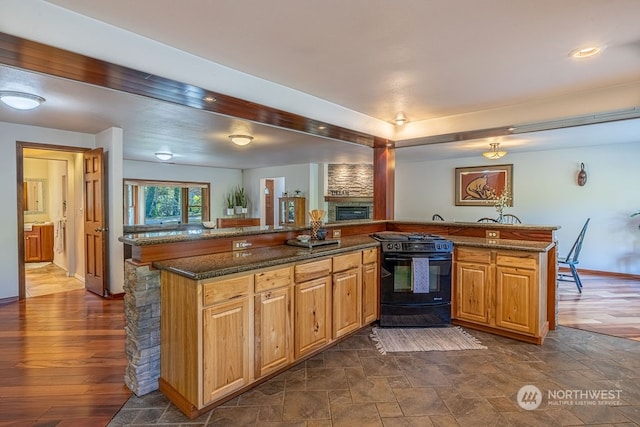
x=34 y=193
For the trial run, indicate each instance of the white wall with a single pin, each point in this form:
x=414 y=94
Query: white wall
x=9 y=135
x=112 y=143
x=545 y=191
x=303 y=177
x=221 y=180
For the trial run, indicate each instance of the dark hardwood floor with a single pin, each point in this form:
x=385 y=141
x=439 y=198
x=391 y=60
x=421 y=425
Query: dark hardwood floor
x=62 y=360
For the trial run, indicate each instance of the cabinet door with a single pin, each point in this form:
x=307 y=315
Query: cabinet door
x=370 y=293
x=347 y=302
x=225 y=342
x=516 y=302
x=273 y=330
x=473 y=283
x=312 y=315
x=32 y=246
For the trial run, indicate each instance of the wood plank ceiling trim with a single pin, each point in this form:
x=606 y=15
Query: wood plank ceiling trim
x=41 y=58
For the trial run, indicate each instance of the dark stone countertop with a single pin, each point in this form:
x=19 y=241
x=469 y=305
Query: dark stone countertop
x=478 y=224
x=215 y=265
x=505 y=244
x=173 y=235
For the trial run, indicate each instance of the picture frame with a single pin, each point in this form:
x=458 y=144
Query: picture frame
x=480 y=185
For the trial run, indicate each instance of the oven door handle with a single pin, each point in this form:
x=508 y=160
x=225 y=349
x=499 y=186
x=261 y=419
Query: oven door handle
x=432 y=258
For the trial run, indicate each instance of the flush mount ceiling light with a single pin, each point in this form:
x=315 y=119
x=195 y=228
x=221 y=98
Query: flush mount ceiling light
x=21 y=100
x=241 y=139
x=164 y=155
x=400 y=119
x=585 y=52
x=494 y=153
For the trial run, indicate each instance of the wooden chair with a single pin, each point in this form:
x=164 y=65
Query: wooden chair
x=437 y=217
x=571 y=260
x=510 y=219
x=487 y=220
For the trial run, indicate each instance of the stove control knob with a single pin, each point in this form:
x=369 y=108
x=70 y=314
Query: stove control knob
x=389 y=245
x=397 y=245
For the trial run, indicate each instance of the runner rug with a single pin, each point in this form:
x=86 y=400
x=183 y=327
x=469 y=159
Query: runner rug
x=424 y=339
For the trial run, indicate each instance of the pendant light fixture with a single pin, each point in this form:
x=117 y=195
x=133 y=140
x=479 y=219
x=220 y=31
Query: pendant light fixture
x=494 y=152
x=21 y=100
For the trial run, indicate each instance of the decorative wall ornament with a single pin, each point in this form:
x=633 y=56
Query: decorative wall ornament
x=582 y=176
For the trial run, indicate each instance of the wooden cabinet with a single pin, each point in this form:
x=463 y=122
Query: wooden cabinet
x=313 y=315
x=221 y=335
x=312 y=322
x=293 y=211
x=370 y=286
x=517 y=297
x=347 y=294
x=474 y=282
x=205 y=338
x=225 y=348
x=273 y=327
x=38 y=243
x=502 y=291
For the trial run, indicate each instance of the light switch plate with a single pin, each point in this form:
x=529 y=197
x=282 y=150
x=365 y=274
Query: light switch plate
x=336 y=234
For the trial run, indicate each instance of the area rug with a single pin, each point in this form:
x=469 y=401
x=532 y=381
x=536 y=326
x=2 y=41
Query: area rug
x=424 y=339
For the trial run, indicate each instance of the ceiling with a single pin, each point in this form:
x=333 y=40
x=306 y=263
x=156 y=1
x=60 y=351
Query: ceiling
x=434 y=60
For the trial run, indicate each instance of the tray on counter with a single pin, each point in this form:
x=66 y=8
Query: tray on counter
x=312 y=243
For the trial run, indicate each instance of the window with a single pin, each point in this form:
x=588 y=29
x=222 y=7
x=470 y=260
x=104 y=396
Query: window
x=161 y=202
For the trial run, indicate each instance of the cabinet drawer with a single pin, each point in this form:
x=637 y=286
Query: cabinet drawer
x=370 y=256
x=473 y=255
x=346 y=262
x=226 y=289
x=273 y=279
x=312 y=270
x=517 y=259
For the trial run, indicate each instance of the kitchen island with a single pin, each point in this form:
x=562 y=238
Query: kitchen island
x=203 y=259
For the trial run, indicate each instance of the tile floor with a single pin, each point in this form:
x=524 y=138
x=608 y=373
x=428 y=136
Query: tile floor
x=353 y=385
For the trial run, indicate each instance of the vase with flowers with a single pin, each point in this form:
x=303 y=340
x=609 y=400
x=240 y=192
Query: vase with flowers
x=501 y=202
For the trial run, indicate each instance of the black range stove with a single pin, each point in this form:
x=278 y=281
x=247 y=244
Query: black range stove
x=415 y=279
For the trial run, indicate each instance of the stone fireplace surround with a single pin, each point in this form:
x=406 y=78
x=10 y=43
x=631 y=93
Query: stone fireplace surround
x=349 y=185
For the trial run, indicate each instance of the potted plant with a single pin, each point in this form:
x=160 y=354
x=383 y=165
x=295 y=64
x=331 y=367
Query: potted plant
x=241 y=201
x=229 y=201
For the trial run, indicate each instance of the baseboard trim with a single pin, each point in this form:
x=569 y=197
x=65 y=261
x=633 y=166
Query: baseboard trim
x=8 y=300
x=603 y=273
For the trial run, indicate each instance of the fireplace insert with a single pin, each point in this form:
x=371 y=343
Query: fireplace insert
x=348 y=213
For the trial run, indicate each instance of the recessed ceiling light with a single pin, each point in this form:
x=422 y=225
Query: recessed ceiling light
x=400 y=119
x=21 y=100
x=209 y=99
x=585 y=52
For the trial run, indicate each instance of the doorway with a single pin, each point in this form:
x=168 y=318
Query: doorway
x=269 y=208
x=50 y=245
